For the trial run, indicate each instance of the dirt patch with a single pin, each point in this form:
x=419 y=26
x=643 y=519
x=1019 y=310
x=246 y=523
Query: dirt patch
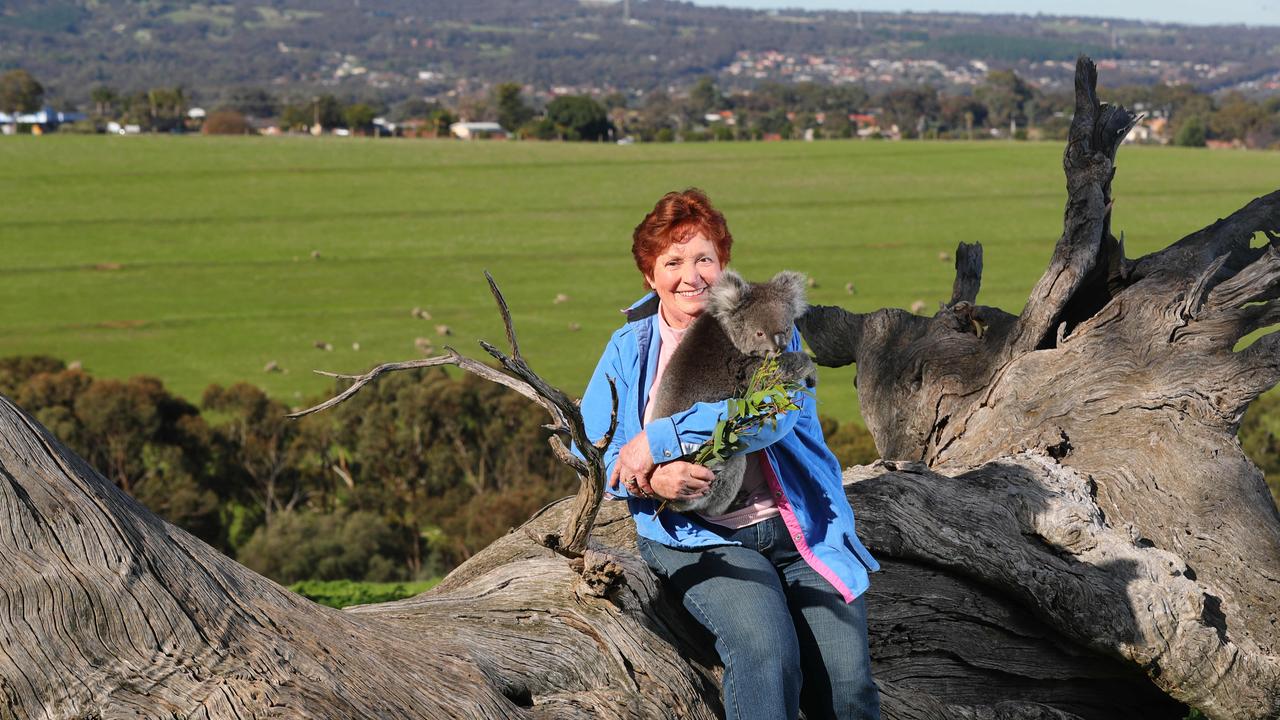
x=108 y=266
x=122 y=324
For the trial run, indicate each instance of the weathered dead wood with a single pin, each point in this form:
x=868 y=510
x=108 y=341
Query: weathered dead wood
x=111 y=611
x=1068 y=530
x=1126 y=373
x=107 y=611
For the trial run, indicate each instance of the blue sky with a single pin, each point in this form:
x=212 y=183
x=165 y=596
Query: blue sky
x=1219 y=12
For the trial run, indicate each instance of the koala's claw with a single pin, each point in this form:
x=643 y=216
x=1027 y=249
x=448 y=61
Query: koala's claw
x=797 y=366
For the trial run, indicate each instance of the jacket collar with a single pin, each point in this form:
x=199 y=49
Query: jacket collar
x=645 y=307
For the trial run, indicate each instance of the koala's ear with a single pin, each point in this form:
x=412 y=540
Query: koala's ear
x=727 y=293
x=792 y=286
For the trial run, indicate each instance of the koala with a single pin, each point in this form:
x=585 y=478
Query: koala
x=743 y=324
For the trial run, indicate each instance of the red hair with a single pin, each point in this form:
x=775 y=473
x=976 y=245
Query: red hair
x=676 y=218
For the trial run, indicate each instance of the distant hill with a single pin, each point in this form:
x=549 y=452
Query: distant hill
x=396 y=49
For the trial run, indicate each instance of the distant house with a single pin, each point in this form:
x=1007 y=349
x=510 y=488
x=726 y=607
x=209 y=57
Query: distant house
x=264 y=126
x=418 y=127
x=478 y=130
x=867 y=125
x=115 y=128
x=1150 y=130
x=46 y=119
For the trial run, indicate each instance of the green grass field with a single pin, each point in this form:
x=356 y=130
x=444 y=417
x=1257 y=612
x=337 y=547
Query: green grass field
x=190 y=258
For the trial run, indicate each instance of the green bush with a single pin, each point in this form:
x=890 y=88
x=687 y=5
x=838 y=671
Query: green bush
x=227 y=122
x=304 y=545
x=1260 y=437
x=1191 y=134
x=79 y=127
x=151 y=444
x=345 y=593
x=17 y=369
x=850 y=442
x=406 y=480
x=578 y=117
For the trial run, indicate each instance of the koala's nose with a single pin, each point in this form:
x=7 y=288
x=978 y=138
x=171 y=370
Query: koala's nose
x=781 y=340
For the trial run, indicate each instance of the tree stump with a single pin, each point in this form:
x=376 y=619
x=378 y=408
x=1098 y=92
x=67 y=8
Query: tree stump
x=1067 y=524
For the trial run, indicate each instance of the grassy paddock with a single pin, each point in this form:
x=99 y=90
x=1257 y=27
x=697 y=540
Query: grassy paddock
x=190 y=258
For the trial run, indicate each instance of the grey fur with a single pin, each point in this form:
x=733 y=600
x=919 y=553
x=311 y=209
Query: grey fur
x=744 y=323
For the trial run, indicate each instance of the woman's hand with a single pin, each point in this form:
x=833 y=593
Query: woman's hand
x=680 y=480
x=633 y=467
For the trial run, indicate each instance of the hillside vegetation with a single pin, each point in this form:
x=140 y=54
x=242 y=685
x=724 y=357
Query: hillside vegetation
x=401 y=47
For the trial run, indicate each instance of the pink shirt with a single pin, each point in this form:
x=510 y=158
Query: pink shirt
x=760 y=503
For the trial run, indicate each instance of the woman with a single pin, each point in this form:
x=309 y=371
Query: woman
x=777 y=580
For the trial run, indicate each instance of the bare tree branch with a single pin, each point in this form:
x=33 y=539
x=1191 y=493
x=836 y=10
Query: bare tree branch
x=1230 y=235
x=452 y=357
x=1259 y=365
x=607 y=438
x=968 y=273
x=1089 y=162
x=1259 y=281
x=506 y=316
x=565 y=415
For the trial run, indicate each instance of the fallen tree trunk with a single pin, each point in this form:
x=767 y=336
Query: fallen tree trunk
x=1069 y=529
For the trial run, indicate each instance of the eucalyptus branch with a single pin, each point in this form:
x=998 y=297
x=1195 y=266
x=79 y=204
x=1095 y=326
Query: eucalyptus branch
x=766 y=396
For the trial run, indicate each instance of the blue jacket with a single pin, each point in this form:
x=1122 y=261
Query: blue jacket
x=803 y=473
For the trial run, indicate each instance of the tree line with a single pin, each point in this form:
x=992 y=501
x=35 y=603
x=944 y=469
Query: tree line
x=1004 y=105
x=404 y=481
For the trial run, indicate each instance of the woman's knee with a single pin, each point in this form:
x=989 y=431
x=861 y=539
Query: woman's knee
x=766 y=645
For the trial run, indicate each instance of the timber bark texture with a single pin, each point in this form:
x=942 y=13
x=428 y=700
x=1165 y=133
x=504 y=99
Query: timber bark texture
x=1068 y=528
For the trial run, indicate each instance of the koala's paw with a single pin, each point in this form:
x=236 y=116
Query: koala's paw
x=797 y=366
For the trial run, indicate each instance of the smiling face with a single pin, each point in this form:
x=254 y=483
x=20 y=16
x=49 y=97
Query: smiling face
x=682 y=276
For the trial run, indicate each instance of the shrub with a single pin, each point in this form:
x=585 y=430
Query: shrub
x=345 y=593
x=149 y=443
x=79 y=127
x=1260 y=438
x=1191 y=133
x=578 y=117
x=540 y=129
x=171 y=490
x=227 y=122
x=15 y=371
x=850 y=442
x=304 y=545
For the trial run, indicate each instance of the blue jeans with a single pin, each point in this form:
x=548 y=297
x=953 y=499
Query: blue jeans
x=786 y=637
